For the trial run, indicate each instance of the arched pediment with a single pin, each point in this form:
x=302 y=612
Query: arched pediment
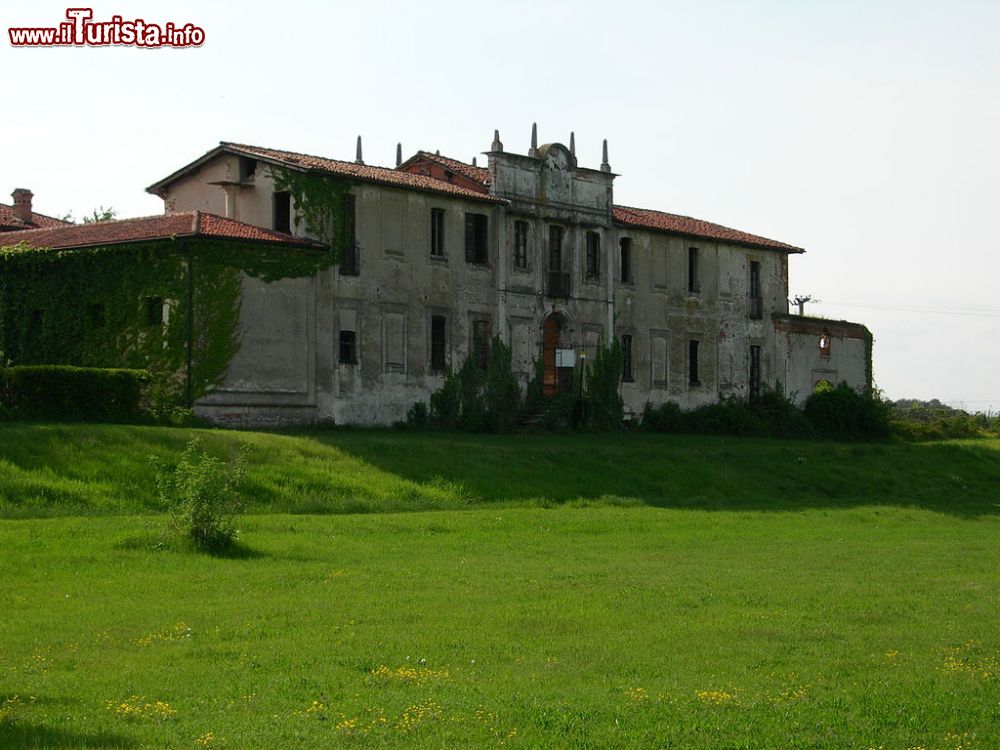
x=556 y=156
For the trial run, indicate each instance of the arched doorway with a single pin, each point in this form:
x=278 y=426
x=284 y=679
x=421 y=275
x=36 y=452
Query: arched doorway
x=556 y=379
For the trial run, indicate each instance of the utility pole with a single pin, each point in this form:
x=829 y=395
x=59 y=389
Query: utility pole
x=801 y=302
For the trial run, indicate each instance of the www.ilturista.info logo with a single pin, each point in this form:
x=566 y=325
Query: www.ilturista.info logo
x=81 y=31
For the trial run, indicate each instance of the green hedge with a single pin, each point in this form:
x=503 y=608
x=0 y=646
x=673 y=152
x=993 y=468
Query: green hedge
x=61 y=392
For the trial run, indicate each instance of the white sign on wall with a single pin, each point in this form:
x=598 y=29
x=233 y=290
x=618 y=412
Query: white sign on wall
x=565 y=358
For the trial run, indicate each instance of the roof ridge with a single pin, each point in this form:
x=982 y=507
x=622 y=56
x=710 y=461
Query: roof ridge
x=247 y=146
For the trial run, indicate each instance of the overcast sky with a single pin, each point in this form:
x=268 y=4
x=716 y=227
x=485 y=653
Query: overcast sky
x=866 y=132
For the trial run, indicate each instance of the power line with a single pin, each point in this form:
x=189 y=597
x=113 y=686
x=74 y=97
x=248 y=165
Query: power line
x=924 y=310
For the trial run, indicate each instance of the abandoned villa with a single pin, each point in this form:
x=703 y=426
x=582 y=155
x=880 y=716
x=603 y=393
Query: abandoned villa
x=441 y=255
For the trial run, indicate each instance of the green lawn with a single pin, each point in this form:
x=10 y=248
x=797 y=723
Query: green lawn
x=713 y=594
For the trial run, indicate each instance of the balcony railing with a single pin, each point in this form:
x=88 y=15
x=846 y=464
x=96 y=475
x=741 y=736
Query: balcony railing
x=350 y=260
x=558 y=284
x=755 y=307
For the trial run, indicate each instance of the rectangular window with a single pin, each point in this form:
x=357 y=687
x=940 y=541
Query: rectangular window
x=350 y=253
x=283 y=212
x=625 y=245
x=348 y=348
x=437 y=232
x=476 y=238
x=593 y=255
x=439 y=342
x=693 y=285
x=520 y=244
x=395 y=346
x=154 y=311
x=248 y=168
x=481 y=343
x=754 y=371
x=628 y=373
x=658 y=357
x=756 y=303
x=658 y=264
x=555 y=248
x=693 y=363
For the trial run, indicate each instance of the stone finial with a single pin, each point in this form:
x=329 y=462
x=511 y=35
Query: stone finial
x=399 y=154
x=572 y=143
x=473 y=161
x=533 y=151
x=22 y=204
x=497 y=145
x=605 y=167
x=437 y=152
x=358 y=159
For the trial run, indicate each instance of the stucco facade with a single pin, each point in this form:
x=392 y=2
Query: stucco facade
x=531 y=248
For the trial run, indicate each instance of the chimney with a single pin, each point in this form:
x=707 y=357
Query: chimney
x=22 y=204
x=399 y=154
x=358 y=159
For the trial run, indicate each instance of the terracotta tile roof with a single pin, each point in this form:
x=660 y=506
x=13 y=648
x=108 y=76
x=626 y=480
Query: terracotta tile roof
x=183 y=224
x=637 y=217
x=8 y=222
x=475 y=173
x=675 y=224
x=365 y=172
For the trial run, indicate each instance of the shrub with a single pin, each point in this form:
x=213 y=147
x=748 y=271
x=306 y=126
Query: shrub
x=61 y=392
x=446 y=404
x=201 y=494
x=844 y=414
x=771 y=414
x=534 y=394
x=667 y=417
x=417 y=416
x=476 y=400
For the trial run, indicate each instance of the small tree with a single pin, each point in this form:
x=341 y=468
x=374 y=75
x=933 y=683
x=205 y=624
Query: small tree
x=502 y=394
x=605 y=407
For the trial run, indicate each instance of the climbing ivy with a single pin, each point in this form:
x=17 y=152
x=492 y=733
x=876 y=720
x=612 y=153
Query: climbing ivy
x=171 y=307
x=322 y=202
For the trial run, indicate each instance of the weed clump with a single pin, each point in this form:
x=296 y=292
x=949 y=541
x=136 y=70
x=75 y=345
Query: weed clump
x=201 y=494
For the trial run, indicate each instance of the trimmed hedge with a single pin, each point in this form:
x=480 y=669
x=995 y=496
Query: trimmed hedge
x=61 y=392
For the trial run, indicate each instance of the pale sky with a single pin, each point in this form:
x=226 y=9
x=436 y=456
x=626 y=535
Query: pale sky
x=866 y=132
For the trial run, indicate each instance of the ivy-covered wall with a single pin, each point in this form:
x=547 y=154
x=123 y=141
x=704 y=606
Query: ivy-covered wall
x=171 y=307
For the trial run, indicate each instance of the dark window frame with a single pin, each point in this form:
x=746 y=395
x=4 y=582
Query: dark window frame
x=754 y=295
x=248 y=169
x=282 y=211
x=439 y=342
x=521 y=245
x=437 y=232
x=348 y=347
x=350 y=254
x=593 y=265
x=694 y=376
x=694 y=282
x=480 y=344
x=477 y=239
x=625 y=260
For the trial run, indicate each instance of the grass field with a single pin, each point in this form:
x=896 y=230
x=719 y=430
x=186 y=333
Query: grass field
x=711 y=594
